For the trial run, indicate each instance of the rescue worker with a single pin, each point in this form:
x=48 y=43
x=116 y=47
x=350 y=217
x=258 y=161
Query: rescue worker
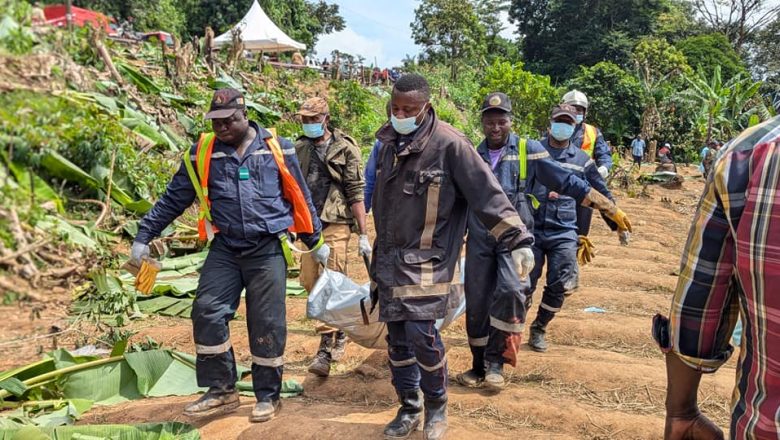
x=251 y=193
x=591 y=141
x=495 y=294
x=331 y=164
x=555 y=222
x=428 y=175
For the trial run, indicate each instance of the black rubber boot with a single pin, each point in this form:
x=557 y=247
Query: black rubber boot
x=435 y=418
x=320 y=366
x=536 y=341
x=474 y=377
x=408 y=418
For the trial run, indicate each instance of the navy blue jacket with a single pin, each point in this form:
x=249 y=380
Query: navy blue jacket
x=244 y=211
x=601 y=154
x=560 y=214
x=540 y=166
x=370 y=173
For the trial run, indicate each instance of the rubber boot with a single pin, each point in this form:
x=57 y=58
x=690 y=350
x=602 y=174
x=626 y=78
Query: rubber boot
x=214 y=401
x=536 y=341
x=320 y=366
x=435 y=418
x=407 y=420
x=494 y=378
x=339 y=346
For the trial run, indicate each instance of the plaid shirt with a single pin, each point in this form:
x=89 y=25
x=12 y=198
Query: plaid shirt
x=731 y=265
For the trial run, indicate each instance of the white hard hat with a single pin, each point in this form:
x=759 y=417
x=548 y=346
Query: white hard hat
x=575 y=97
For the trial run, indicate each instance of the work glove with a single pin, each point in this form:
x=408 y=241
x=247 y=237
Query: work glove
x=138 y=252
x=364 y=246
x=321 y=254
x=524 y=261
x=585 y=251
x=625 y=237
x=599 y=201
x=143 y=267
x=604 y=172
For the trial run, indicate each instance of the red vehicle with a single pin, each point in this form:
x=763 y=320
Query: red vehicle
x=56 y=16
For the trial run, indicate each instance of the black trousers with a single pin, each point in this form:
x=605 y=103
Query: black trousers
x=262 y=271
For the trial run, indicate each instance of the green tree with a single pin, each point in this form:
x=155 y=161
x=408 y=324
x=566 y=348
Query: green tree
x=449 y=30
x=615 y=98
x=659 y=67
x=726 y=106
x=533 y=96
x=559 y=35
x=710 y=50
x=496 y=46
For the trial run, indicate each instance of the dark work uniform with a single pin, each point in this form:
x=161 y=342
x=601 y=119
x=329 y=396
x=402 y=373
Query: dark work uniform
x=603 y=158
x=425 y=184
x=250 y=214
x=555 y=231
x=495 y=295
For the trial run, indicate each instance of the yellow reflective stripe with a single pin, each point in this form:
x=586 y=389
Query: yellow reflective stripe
x=589 y=139
x=523 y=158
x=506 y=224
x=534 y=201
x=420 y=291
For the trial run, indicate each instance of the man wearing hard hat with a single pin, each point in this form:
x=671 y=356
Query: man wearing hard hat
x=588 y=138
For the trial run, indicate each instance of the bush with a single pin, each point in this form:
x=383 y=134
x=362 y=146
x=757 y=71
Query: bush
x=358 y=111
x=532 y=95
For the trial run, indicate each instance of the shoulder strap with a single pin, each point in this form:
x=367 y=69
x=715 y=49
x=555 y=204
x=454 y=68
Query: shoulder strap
x=203 y=161
x=522 y=157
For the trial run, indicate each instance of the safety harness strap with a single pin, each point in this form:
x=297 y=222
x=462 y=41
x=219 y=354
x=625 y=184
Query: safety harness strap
x=522 y=159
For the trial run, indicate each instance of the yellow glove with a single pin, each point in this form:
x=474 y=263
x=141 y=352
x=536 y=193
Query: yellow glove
x=145 y=274
x=620 y=218
x=586 y=251
x=596 y=200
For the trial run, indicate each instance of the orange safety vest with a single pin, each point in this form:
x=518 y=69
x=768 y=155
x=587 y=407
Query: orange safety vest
x=291 y=191
x=589 y=138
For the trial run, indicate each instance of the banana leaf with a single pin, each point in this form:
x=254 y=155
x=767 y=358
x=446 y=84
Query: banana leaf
x=61 y=167
x=143 y=82
x=42 y=190
x=77 y=235
x=146 y=431
x=225 y=81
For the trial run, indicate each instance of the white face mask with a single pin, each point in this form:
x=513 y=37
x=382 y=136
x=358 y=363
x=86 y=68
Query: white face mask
x=406 y=125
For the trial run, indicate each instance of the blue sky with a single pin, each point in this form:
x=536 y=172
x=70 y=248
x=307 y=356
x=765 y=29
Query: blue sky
x=381 y=32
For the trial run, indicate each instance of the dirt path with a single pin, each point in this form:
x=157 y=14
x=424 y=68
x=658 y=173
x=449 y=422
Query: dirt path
x=603 y=377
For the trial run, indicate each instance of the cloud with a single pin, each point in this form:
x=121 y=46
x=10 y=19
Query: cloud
x=353 y=43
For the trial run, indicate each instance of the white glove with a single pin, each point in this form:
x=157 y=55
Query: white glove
x=364 y=246
x=321 y=254
x=138 y=251
x=524 y=260
x=603 y=171
x=625 y=237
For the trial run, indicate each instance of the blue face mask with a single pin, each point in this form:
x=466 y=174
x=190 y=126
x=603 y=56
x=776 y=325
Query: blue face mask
x=561 y=131
x=580 y=118
x=405 y=125
x=314 y=130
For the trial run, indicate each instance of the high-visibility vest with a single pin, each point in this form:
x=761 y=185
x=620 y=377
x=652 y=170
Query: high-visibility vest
x=291 y=191
x=522 y=157
x=589 y=138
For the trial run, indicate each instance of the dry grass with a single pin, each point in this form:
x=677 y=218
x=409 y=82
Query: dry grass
x=491 y=418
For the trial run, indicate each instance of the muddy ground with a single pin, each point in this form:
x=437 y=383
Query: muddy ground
x=603 y=377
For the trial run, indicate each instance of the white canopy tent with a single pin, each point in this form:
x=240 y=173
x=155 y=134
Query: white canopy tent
x=259 y=33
